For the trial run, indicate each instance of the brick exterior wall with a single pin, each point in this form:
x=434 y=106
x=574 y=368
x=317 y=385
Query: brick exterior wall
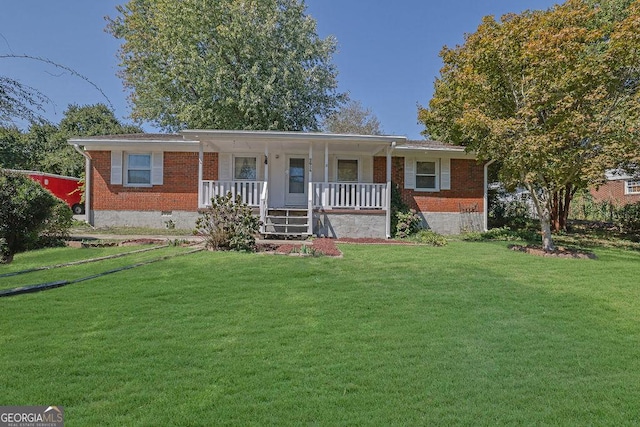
x=467 y=187
x=613 y=192
x=178 y=192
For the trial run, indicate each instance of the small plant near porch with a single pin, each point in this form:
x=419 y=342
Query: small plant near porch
x=228 y=224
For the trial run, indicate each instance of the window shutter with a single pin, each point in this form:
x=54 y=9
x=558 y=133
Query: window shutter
x=116 y=168
x=224 y=168
x=445 y=174
x=409 y=173
x=157 y=168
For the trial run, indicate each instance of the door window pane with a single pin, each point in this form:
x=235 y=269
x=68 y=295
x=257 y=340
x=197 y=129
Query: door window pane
x=296 y=176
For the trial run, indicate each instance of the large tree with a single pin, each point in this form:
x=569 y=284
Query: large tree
x=225 y=64
x=353 y=118
x=551 y=95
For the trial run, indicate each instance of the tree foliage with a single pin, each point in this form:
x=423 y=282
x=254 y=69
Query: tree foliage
x=550 y=94
x=353 y=118
x=227 y=64
x=28 y=214
x=43 y=147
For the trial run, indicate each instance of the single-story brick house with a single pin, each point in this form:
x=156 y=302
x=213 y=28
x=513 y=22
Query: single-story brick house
x=298 y=183
x=620 y=189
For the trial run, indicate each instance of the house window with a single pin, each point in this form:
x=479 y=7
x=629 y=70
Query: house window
x=632 y=187
x=347 y=170
x=245 y=168
x=427 y=175
x=138 y=169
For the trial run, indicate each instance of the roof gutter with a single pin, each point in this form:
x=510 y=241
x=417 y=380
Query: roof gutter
x=485 y=212
x=88 y=213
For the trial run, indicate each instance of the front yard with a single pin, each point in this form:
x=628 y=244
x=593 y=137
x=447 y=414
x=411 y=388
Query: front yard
x=470 y=333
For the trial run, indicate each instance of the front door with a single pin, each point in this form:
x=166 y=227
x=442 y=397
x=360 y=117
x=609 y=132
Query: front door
x=296 y=194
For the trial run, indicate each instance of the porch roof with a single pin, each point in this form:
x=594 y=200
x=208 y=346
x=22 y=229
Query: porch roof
x=246 y=141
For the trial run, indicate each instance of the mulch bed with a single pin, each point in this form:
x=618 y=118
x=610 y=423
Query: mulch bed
x=326 y=247
x=560 y=252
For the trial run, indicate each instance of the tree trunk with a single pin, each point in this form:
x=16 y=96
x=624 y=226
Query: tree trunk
x=543 y=202
x=547 y=238
x=560 y=207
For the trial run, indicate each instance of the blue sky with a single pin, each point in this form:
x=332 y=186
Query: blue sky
x=388 y=51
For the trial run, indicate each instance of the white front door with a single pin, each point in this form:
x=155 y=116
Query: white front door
x=296 y=184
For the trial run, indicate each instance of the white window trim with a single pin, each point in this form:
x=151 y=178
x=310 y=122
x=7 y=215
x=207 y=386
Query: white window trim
x=125 y=170
x=357 y=159
x=628 y=184
x=437 y=175
x=248 y=156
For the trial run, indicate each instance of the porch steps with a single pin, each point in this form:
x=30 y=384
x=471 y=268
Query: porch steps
x=287 y=222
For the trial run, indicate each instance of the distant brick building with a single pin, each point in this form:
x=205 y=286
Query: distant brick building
x=620 y=189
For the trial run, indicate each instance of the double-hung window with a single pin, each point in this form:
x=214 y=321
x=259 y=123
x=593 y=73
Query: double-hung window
x=427 y=175
x=632 y=187
x=245 y=168
x=138 y=169
x=347 y=170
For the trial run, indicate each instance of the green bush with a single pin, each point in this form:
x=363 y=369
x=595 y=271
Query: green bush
x=428 y=237
x=503 y=234
x=30 y=216
x=55 y=228
x=510 y=210
x=628 y=218
x=228 y=224
x=584 y=207
x=407 y=223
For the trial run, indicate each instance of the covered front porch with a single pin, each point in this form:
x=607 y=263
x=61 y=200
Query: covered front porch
x=294 y=181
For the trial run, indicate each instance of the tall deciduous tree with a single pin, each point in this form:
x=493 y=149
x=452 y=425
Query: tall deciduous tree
x=550 y=94
x=225 y=64
x=353 y=118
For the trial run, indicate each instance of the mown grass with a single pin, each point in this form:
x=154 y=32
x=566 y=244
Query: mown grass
x=470 y=333
x=53 y=257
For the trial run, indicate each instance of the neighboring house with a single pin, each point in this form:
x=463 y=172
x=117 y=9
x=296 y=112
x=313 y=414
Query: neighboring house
x=620 y=189
x=298 y=183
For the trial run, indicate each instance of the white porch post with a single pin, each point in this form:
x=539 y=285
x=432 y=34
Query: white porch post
x=388 y=201
x=325 y=201
x=310 y=191
x=200 y=175
x=266 y=164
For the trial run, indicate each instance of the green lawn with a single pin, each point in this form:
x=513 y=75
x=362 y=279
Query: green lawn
x=470 y=333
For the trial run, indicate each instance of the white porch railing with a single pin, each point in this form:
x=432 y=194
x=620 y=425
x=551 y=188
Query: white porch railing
x=250 y=191
x=343 y=195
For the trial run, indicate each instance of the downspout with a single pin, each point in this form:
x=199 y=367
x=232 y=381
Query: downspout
x=388 y=201
x=88 y=213
x=485 y=212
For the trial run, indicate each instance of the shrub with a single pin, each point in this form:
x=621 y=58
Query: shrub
x=55 y=228
x=228 y=224
x=407 y=223
x=584 y=207
x=509 y=209
x=628 y=218
x=404 y=221
x=428 y=237
x=30 y=216
x=504 y=234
